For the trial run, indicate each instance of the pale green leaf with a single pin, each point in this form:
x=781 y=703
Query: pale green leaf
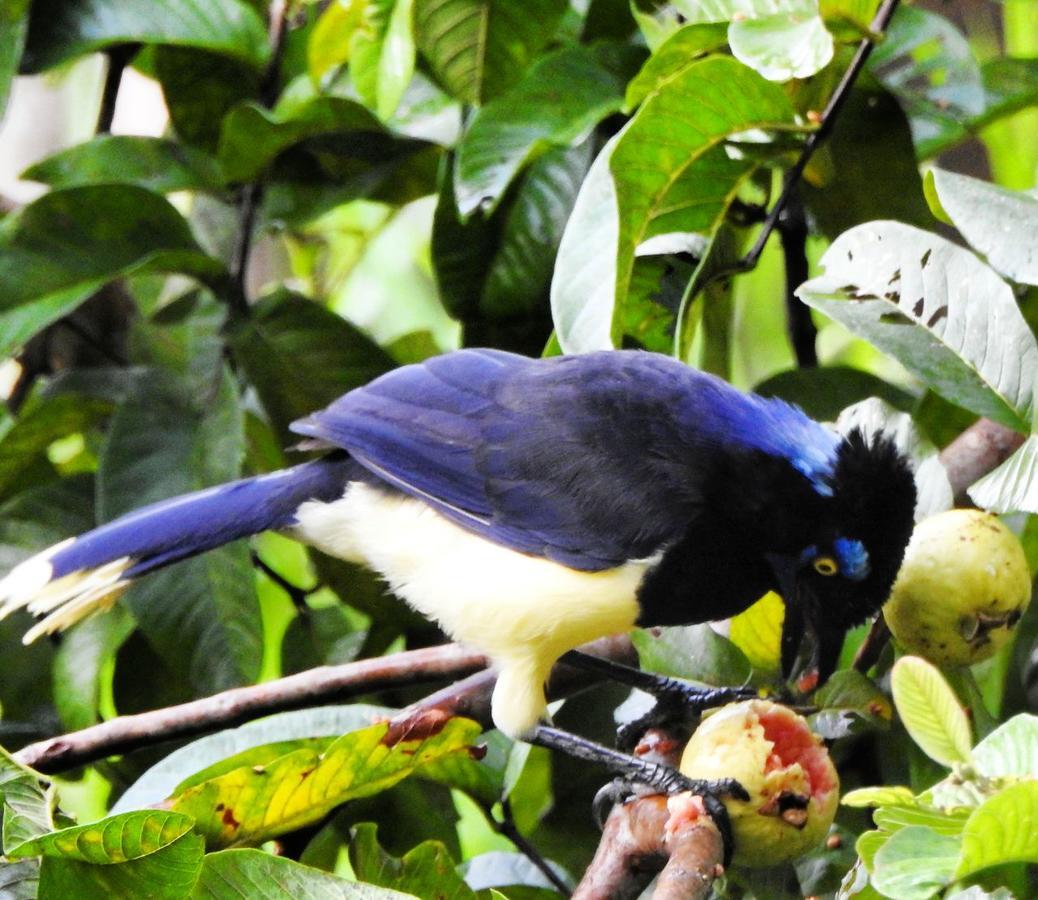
x=1003 y=829
x=783 y=46
x=930 y=711
x=915 y=863
x=382 y=55
x=1013 y=486
x=894 y=818
x=879 y=796
x=938 y=310
x=757 y=631
x=997 y=222
x=1010 y=750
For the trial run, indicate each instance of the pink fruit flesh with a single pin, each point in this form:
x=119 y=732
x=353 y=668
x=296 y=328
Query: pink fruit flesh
x=795 y=744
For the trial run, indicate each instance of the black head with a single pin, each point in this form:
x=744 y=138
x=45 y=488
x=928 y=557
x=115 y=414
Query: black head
x=843 y=572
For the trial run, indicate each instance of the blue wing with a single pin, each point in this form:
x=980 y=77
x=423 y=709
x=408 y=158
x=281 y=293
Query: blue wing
x=588 y=460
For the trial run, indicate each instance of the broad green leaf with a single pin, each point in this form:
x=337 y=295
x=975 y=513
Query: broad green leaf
x=167 y=874
x=116 y=839
x=232 y=874
x=252 y=137
x=757 y=631
x=894 y=818
x=928 y=64
x=14 y=24
x=60 y=30
x=823 y=393
x=930 y=711
x=382 y=54
x=1010 y=750
x=253 y=804
x=154 y=163
x=558 y=101
x=23 y=322
x=999 y=223
x=686 y=44
x=868 y=845
x=479 y=48
x=300 y=357
x=202 y=615
x=40 y=424
x=425 y=871
x=27 y=803
x=1013 y=486
x=938 y=310
x=670 y=166
x=83 y=237
x=1003 y=829
x=879 y=796
x=695 y=652
x=781 y=41
x=162 y=779
x=847 y=704
x=915 y=863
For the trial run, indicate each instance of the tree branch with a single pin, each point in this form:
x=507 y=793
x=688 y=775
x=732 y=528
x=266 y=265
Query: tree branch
x=983 y=446
x=118 y=58
x=792 y=227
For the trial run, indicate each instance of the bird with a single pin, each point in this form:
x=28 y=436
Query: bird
x=531 y=505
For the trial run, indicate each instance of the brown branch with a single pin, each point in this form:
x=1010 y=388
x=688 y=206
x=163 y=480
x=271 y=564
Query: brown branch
x=983 y=446
x=311 y=688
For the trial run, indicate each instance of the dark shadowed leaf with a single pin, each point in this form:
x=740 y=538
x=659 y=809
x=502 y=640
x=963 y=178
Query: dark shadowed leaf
x=60 y=30
x=695 y=652
x=14 y=24
x=849 y=703
x=232 y=874
x=558 y=101
x=824 y=393
x=154 y=163
x=479 y=48
x=80 y=238
x=938 y=310
x=425 y=871
x=300 y=357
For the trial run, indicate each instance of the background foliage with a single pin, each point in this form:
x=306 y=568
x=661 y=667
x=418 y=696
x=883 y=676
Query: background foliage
x=348 y=186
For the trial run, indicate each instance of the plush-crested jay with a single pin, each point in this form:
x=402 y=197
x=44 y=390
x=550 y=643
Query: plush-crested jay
x=531 y=505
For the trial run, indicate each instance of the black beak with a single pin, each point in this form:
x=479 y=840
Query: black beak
x=810 y=645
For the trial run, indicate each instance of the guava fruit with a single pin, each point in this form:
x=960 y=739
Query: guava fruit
x=793 y=786
x=962 y=587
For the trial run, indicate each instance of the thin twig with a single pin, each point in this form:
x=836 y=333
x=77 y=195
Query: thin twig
x=118 y=58
x=510 y=830
x=792 y=228
x=295 y=593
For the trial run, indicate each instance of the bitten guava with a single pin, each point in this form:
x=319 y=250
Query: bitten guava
x=962 y=587
x=793 y=786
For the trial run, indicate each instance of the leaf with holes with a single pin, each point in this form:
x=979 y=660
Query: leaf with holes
x=938 y=310
x=930 y=711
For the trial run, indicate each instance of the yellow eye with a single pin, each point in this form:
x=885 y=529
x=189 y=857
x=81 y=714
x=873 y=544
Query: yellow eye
x=826 y=565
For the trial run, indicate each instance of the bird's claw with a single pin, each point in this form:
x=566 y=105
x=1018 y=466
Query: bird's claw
x=619 y=790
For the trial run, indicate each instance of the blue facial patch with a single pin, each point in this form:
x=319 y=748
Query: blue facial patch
x=852 y=557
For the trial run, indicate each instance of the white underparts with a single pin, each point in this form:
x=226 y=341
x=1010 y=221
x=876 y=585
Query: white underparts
x=63 y=601
x=522 y=611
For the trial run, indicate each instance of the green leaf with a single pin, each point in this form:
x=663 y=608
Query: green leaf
x=252 y=137
x=757 y=632
x=202 y=615
x=27 y=804
x=847 y=704
x=116 y=839
x=232 y=874
x=928 y=64
x=1013 y=486
x=300 y=357
x=1003 y=829
x=60 y=30
x=824 y=392
x=20 y=880
x=154 y=163
x=671 y=58
x=479 y=48
x=915 y=863
x=1010 y=750
x=166 y=874
x=162 y=779
x=997 y=222
x=252 y=804
x=331 y=38
x=868 y=845
x=938 y=310
x=695 y=652
x=930 y=711
x=879 y=796
x=382 y=54
x=23 y=322
x=80 y=238
x=425 y=871
x=894 y=818
x=556 y=104
x=14 y=24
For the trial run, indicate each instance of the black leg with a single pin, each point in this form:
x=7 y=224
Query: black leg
x=664 y=779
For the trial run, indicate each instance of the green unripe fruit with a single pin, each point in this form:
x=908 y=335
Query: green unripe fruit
x=962 y=587
x=793 y=786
